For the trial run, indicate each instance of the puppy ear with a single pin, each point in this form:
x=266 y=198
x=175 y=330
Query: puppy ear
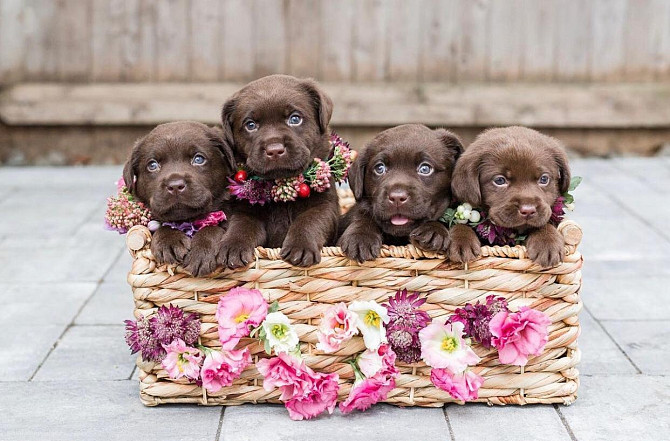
x=563 y=169
x=465 y=181
x=322 y=103
x=227 y=120
x=218 y=140
x=131 y=168
x=356 y=176
x=452 y=142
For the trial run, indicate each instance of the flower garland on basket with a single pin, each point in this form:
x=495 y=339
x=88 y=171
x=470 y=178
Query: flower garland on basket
x=494 y=234
x=257 y=190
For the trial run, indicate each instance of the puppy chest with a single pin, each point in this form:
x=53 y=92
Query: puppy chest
x=277 y=224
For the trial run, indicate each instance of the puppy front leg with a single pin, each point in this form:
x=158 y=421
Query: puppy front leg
x=362 y=240
x=308 y=233
x=545 y=246
x=430 y=236
x=169 y=245
x=464 y=244
x=201 y=259
x=244 y=234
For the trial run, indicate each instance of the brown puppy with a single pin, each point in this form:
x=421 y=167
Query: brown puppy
x=177 y=171
x=514 y=175
x=278 y=125
x=401 y=183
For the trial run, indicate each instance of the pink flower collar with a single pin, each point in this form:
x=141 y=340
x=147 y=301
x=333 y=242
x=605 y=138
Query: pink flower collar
x=190 y=228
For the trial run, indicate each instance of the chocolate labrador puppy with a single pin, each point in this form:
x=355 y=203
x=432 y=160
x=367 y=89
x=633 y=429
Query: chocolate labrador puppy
x=514 y=175
x=278 y=125
x=177 y=171
x=401 y=183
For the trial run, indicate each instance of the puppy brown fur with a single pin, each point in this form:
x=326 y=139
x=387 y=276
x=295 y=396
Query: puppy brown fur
x=278 y=125
x=514 y=175
x=164 y=174
x=401 y=183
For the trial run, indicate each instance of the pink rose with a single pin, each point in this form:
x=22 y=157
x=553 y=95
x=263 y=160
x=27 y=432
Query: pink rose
x=236 y=312
x=517 y=335
x=337 y=326
x=464 y=387
x=286 y=372
x=181 y=360
x=380 y=362
x=366 y=393
x=220 y=368
x=321 y=396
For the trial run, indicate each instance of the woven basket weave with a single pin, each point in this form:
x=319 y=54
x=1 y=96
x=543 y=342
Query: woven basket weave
x=304 y=294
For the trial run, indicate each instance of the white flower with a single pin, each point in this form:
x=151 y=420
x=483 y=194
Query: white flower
x=370 y=320
x=467 y=207
x=475 y=216
x=443 y=347
x=279 y=333
x=570 y=206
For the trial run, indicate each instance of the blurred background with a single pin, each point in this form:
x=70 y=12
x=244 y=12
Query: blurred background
x=81 y=80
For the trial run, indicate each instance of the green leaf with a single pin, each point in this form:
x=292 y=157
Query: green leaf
x=273 y=307
x=569 y=199
x=574 y=182
x=266 y=345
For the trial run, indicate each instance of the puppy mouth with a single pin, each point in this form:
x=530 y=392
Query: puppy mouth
x=180 y=209
x=400 y=220
x=517 y=221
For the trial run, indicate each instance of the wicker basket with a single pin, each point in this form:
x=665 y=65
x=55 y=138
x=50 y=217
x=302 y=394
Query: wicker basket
x=304 y=294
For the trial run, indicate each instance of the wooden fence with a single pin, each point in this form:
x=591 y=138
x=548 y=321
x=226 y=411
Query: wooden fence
x=336 y=40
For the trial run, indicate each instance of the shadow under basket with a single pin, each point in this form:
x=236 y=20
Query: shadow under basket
x=304 y=295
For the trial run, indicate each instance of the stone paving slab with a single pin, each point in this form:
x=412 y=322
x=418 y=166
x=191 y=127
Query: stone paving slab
x=380 y=423
x=613 y=297
x=600 y=355
x=97 y=410
x=28 y=345
x=647 y=343
x=89 y=353
x=111 y=304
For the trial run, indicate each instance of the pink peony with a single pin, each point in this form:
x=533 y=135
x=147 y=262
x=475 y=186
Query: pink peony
x=337 y=326
x=236 y=312
x=443 y=347
x=517 y=335
x=220 y=368
x=464 y=387
x=181 y=360
x=321 y=396
x=286 y=372
x=366 y=393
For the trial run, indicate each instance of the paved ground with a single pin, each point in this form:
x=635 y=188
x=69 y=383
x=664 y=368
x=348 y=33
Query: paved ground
x=66 y=374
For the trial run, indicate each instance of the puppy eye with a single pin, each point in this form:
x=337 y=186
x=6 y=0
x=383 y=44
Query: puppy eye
x=425 y=169
x=153 y=166
x=251 y=126
x=380 y=168
x=198 y=159
x=500 y=181
x=294 y=120
x=544 y=179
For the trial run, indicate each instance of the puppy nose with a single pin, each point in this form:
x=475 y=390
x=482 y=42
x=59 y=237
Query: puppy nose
x=527 y=210
x=398 y=197
x=176 y=186
x=274 y=151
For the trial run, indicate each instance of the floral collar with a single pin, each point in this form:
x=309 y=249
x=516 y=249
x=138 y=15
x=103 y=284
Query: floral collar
x=494 y=234
x=258 y=190
x=124 y=212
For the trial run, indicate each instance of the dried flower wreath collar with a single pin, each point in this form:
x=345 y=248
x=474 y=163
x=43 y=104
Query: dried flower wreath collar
x=257 y=190
x=494 y=234
x=124 y=212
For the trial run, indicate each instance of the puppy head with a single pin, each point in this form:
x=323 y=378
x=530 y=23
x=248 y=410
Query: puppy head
x=178 y=170
x=405 y=175
x=514 y=174
x=278 y=125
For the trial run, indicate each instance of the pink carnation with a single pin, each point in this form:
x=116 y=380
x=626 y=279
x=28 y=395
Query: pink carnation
x=366 y=393
x=464 y=387
x=517 y=335
x=236 y=312
x=220 y=368
x=321 y=396
x=337 y=326
x=286 y=372
x=181 y=360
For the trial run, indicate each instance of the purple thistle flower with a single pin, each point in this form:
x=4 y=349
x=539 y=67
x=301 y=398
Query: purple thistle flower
x=254 y=190
x=495 y=235
x=405 y=322
x=557 y=211
x=169 y=323
x=476 y=318
x=140 y=338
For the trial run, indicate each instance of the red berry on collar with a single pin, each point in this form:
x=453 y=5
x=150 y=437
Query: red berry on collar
x=241 y=176
x=303 y=190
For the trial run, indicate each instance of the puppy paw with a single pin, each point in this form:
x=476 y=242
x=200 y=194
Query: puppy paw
x=464 y=245
x=360 y=247
x=235 y=253
x=545 y=247
x=300 y=252
x=170 y=246
x=430 y=236
x=201 y=259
